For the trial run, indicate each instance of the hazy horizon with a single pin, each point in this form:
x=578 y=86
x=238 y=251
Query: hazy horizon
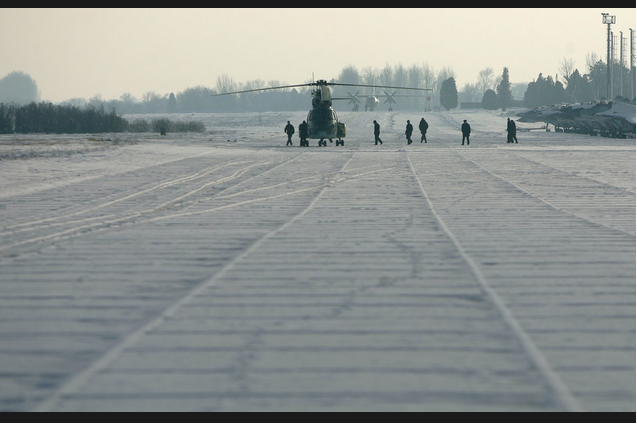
x=82 y=53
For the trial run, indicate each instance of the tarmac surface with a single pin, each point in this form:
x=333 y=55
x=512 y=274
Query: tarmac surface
x=198 y=273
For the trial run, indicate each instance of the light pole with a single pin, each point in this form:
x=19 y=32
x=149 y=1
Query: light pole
x=632 y=64
x=621 y=63
x=609 y=19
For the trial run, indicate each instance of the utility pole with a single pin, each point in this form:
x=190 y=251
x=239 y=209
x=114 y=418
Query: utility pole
x=613 y=60
x=632 y=65
x=608 y=20
x=622 y=62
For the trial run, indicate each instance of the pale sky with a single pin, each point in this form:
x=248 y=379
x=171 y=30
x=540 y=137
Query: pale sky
x=87 y=52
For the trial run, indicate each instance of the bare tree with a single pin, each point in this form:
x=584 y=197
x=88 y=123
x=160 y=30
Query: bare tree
x=400 y=76
x=428 y=76
x=253 y=84
x=153 y=102
x=591 y=60
x=486 y=80
x=414 y=76
x=277 y=83
x=470 y=93
x=386 y=75
x=348 y=75
x=370 y=76
x=567 y=66
x=225 y=84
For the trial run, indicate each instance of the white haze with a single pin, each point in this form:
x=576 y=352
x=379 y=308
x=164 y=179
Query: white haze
x=81 y=53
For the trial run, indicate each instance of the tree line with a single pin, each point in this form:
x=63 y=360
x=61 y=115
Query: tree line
x=45 y=117
x=490 y=90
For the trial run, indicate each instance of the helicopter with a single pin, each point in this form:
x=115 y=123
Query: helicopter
x=322 y=120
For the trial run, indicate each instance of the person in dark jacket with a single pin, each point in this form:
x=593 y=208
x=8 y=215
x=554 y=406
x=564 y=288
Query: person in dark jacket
x=377 y=134
x=511 y=131
x=289 y=129
x=303 y=134
x=423 y=126
x=466 y=131
x=408 y=131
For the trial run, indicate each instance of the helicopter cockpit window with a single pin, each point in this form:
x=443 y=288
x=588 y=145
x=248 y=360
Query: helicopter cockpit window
x=321 y=115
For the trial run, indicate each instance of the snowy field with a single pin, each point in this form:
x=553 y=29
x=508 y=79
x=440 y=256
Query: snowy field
x=224 y=271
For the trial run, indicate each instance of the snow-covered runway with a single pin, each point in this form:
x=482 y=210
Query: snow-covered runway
x=224 y=271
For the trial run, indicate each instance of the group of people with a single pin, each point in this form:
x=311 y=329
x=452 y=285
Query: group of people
x=303 y=134
x=423 y=126
x=511 y=131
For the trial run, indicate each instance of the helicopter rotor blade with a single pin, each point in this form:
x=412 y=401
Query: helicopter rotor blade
x=320 y=83
x=262 y=89
x=380 y=86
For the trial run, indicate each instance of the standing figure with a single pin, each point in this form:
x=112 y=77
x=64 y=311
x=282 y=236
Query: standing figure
x=511 y=131
x=303 y=134
x=423 y=126
x=377 y=134
x=289 y=129
x=408 y=131
x=466 y=131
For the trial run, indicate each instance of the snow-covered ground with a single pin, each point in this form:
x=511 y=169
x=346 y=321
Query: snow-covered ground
x=225 y=271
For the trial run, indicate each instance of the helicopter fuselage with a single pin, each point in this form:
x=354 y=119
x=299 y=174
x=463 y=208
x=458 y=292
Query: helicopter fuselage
x=321 y=119
x=322 y=123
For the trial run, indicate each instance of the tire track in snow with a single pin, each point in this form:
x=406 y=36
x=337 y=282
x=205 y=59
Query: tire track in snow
x=89 y=225
x=118 y=220
x=561 y=392
x=92 y=225
x=605 y=184
x=23 y=226
x=547 y=202
x=101 y=363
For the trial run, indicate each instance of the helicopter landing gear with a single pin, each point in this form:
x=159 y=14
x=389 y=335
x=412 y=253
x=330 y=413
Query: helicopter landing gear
x=340 y=142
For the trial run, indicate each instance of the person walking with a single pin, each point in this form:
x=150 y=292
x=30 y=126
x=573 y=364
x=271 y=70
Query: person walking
x=408 y=131
x=508 y=130
x=377 y=134
x=511 y=131
x=289 y=129
x=466 y=131
x=303 y=134
x=423 y=126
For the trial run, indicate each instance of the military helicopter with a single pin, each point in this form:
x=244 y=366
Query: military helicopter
x=321 y=119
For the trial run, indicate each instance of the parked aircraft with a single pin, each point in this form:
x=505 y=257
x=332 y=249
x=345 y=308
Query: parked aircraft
x=607 y=118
